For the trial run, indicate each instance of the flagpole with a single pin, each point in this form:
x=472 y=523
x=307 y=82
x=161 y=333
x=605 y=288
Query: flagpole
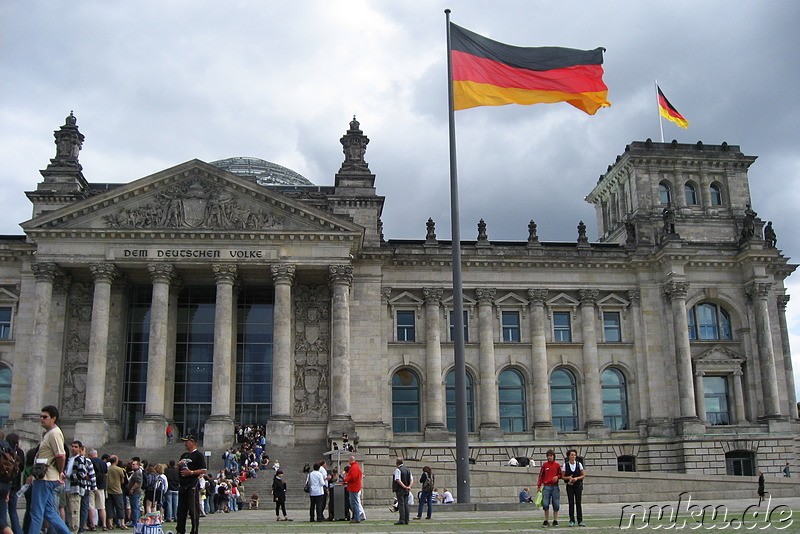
x=660 y=118
x=462 y=435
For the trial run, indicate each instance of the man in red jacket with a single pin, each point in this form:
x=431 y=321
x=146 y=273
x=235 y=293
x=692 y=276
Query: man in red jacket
x=549 y=475
x=353 y=481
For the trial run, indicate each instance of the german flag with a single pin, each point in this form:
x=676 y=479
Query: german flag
x=669 y=112
x=490 y=73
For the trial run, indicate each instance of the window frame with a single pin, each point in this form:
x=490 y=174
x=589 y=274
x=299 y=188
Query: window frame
x=452 y=329
x=690 y=189
x=512 y=423
x=511 y=329
x=7 y=327
x=559 y=330
x=664 y=193
x=617 y=421
x=560 y=420
x=715 y=193
x=417 y=403
x=406 y=327
x=719 y=418
x=618 y=326
x=722 y=326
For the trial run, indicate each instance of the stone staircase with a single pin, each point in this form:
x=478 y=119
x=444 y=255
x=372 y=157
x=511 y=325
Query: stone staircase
x=291 y=461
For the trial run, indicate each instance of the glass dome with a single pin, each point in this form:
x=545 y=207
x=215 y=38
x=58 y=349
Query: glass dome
x=260 y=171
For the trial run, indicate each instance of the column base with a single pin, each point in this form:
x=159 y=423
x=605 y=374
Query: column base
x=151 y=432
x=280 y=433
x=687 y=426
x=93 y=431
x=29 y=428
x=491 y=432
x=342 y=424
x=218 y=433
x=436 y=433
x=778 y=424
x=544 y=430
x=597 y=430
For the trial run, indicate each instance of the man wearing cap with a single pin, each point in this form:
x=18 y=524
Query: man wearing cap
x=191 y=467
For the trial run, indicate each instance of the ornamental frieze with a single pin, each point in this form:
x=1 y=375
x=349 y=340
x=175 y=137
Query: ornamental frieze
x=196 y=204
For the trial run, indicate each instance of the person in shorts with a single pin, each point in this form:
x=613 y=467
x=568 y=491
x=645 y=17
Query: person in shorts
x=549 y=475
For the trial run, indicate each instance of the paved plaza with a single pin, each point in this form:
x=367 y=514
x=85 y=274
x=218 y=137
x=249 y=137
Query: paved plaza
x=782 y=515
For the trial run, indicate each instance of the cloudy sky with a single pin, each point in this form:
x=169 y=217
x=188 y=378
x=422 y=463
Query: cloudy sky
x=156 y=83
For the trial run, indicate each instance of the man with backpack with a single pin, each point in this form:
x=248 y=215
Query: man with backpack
x=16 y=483
x=9 y=470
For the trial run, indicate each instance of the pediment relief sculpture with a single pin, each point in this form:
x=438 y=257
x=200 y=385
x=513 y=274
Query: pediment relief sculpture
x=196 y=204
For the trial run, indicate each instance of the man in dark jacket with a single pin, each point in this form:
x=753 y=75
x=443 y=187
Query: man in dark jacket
x=171 y=499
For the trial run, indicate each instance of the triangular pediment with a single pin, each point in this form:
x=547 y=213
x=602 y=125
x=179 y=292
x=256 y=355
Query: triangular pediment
x=192 y=197
x=718 y=354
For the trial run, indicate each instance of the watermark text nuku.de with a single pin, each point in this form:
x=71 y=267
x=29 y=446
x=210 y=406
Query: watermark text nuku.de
x=686 y=515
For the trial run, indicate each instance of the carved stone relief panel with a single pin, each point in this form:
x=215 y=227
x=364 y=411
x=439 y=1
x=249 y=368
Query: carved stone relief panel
x=312 y=335
x=76 y=356
x=196 y=204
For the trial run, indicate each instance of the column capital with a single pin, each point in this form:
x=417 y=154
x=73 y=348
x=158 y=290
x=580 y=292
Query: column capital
x=783 y=300
x=588 y=297
x=485 y=295
x=635 y=296
x=758 y=290
x=432 y=295
x=340 y=274
x=386 y=292
x=161 y=272
x=676 y=290
x=46 y=271
x=283 y=272
x=104 y=272
x=225 y=272
x=537 y=296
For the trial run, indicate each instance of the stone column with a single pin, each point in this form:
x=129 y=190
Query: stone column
x=435 y=428
x=341 y=278
x=36 y=364
x=700 y=395
x=593 y=397
x=758 y=293
x=172 y=337
x=490 y=408
x=219 y=426
x=150 y=432
x=783 y=300
x=640 y=351
x=676 y=291
x=280 y=429
x=542 y=414
x=738 y=392
x=92 y=428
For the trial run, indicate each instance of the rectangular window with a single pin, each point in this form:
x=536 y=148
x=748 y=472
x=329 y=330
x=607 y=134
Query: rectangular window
x=5 y=323
x=405 y=326
x=511 y=326
x=612 y=327
x=562 y=332
x=452 y=327
x=716 y=395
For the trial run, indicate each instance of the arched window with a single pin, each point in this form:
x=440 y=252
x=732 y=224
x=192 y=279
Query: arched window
x=512 y=401
x=564 y=400
x=716 y=195
x=5 y=393
x=405 y=402
x=708 y=322
x=615 y=399
x=691 y=194
x=450 y=392
x=664 y=194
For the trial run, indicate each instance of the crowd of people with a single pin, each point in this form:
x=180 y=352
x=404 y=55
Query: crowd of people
x=71 y=489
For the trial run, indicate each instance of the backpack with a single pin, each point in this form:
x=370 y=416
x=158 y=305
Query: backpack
x=427 y=486
x=149 y=482
x=9 y=463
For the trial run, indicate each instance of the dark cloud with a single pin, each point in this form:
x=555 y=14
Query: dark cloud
x=156 y=84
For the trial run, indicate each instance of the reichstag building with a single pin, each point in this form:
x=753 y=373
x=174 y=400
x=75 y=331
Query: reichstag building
x=209 y=295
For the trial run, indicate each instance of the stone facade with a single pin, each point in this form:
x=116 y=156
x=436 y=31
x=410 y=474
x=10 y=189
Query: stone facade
x=661 y=347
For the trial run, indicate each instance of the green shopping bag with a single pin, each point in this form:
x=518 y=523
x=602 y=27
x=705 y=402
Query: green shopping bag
x=538 y=500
